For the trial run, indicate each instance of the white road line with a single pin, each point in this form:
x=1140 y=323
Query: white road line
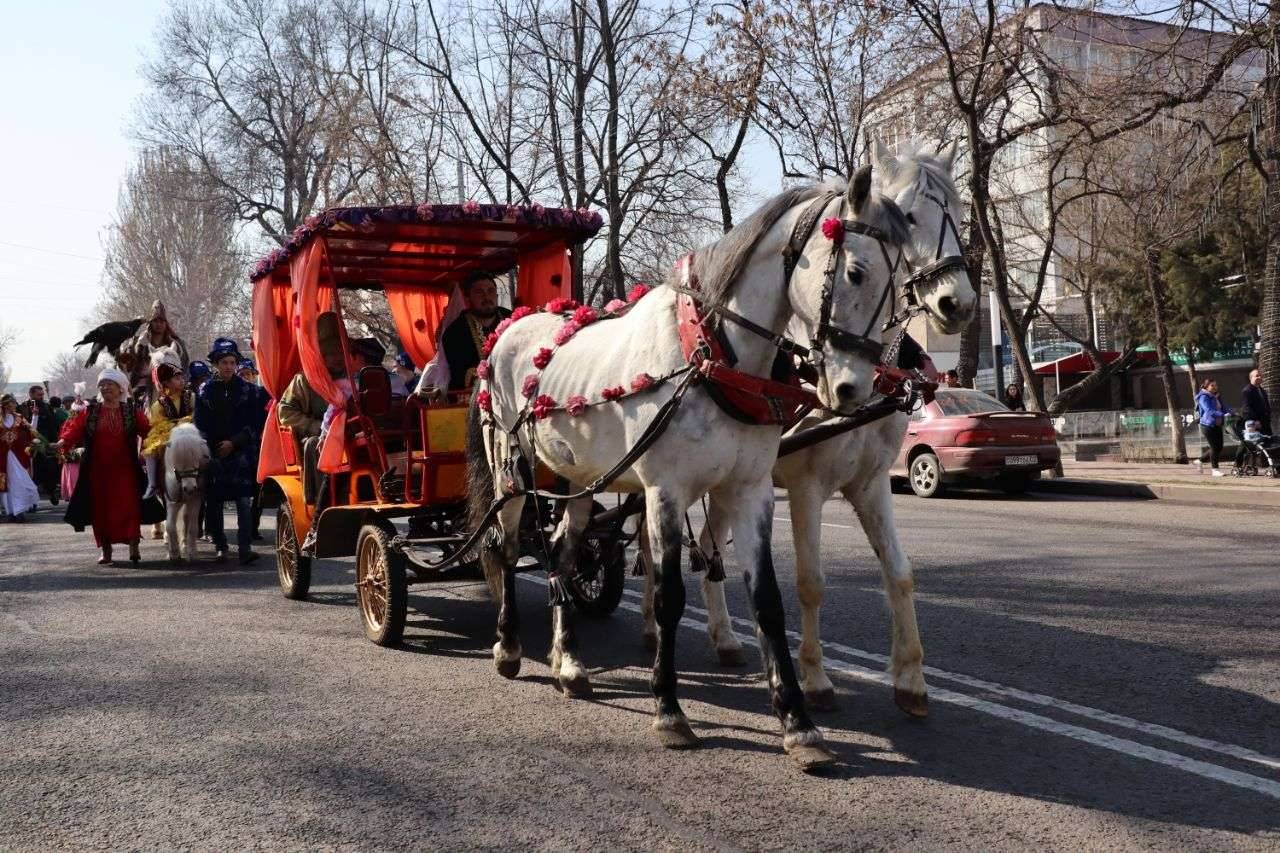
x=1123 y=746
x=778 y=518
x=1118 y=720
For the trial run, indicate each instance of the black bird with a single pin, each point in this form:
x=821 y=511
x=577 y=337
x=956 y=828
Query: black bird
x=109 y=337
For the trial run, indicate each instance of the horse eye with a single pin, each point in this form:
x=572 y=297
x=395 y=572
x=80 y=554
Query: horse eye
x=911 y=217
x=855 y=275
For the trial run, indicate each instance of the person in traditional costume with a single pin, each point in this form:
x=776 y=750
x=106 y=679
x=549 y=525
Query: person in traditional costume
x=463 y=339
x=70 y=457
x=44 y=463
x=18 y=493
x=173 y=405
x=152 y=335
x=108 y=491
x=230 y=415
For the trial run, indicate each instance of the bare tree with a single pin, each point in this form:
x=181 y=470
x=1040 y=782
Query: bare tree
x=168 y=242
x=8 y=340
x=64 y=370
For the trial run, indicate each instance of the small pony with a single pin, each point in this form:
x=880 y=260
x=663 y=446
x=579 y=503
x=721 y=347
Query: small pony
x=185 y=459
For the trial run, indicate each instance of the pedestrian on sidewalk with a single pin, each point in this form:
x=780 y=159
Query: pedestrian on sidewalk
x=1212 y=414
x=229 y=415
x=1255 y=405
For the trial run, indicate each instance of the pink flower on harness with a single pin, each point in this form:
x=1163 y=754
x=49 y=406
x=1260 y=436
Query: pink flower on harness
x=561 y=304
x=576 y=406
x=617 y=392
x=542 y=359
x=565 y=332
x=543 y=406
x=642 y=382
x=485 y=401
x=833 y=229
x=522 y=312
x=482 y=369
x=614 y=305
x=636 y=293
x=530 y=386
x=585 y=316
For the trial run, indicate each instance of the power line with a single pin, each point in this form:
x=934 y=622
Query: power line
x=52 y=251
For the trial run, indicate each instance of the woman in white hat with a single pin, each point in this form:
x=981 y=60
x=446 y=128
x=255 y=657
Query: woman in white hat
x=108 y=493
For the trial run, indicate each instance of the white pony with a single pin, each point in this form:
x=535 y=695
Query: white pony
x=185 y=459
x=857 y=463
x=603 y=388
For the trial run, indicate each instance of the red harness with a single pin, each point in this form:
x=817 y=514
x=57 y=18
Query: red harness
x=750 y=399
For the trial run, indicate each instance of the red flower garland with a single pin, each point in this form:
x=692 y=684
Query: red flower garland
x=576 y=405
x=565 y=332
x=485 y=401
x=615 y=393
x=642 y=382
x=560 y=304
x=833 y=229
x=530 y=385
x=522 y=312
x=585 y=315
x=482 y=369
x=543 y=406
x=614 y=305
x=636 y=293
x=489 y=343
x=542 y=358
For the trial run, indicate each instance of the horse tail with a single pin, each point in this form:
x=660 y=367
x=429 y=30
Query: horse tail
x=480 y=496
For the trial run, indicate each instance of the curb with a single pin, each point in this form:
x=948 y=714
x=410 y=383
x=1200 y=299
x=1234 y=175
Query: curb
x=1202 y=495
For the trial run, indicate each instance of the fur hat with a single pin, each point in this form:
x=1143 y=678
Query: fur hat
x=165 y=364
x=223 y=347
x=116 y=376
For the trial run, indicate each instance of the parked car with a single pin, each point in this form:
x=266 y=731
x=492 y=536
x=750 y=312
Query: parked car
x=968 y=436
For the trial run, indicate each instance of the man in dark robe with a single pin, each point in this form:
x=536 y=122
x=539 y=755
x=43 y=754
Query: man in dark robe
x=45 y=469
x=464 y=337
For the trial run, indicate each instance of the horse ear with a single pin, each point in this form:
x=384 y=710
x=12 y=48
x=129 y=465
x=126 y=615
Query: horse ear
x=947 y=154
x=881 y=156
x=859 y=188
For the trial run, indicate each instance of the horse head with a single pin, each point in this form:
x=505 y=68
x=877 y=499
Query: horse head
x=186 y=456
x=936 y=278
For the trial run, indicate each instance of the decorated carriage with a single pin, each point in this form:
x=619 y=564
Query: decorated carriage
x=395 y=465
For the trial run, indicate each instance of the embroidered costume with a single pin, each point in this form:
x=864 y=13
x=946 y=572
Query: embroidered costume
x=108 y=492
x=18 y=493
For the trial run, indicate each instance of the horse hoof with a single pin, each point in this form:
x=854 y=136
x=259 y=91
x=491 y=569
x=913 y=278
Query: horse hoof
x=508 y=668
x=576 y=688
x=651 y=643
x=912 y=704
x=812 y=757
x=675 y=733
x=821 y=700
x=733 y=656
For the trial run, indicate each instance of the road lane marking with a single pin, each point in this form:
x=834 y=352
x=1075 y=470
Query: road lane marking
x=1117 y=720
x=1131 y=748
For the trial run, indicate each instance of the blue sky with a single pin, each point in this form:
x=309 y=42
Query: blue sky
x=68 y=82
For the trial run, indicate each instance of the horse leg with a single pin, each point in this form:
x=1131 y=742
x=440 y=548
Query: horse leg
x=805 y=502
x=171 y=509
x=663 y=515
x=647 y=612
x=873 y=503
x=719 y=626
x=506 y=651
x=565 y=666
x=190 y=527
x=751 y=508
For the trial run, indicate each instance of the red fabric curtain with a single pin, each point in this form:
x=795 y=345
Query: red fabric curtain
x=314 y=290
x=545 y=274
x=277 y=354
x=418 y=312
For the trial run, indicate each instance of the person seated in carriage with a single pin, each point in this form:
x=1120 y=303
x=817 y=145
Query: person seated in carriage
x=454 y=368
x=404 y=377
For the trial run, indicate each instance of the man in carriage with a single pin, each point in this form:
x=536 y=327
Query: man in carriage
x=454 y=367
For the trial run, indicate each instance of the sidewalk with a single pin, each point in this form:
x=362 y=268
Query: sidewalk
x=1168 y=482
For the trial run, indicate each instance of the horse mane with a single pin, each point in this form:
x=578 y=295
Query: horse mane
x=719 y=265
x=938 y=176
x=187 y=448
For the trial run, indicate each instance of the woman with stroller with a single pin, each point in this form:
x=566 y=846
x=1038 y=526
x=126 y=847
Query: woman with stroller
x=1211 y=413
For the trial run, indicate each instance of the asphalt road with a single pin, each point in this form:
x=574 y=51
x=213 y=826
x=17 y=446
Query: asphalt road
x=1103 y=674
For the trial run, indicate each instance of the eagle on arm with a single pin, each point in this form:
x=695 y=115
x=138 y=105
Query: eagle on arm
x=109 y=337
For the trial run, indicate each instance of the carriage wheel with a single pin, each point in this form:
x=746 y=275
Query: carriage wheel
x=381 y=587
x=601 y=575
x=292 y=568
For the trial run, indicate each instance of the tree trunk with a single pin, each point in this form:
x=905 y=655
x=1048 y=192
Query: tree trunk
x=1193 y=375
x=971 y=335
x=1155 y=284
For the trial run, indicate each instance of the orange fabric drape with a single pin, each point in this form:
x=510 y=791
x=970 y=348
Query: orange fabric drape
x=418 y=312
x=314 y=292
x=545 y=274
x=277 y=354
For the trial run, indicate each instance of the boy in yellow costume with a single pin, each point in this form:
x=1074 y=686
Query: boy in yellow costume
x=173 y=405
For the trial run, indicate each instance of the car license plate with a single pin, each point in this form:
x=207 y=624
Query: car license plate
x=1022 y=460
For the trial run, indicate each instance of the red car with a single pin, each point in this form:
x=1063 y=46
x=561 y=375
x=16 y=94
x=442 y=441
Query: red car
x=969 y=436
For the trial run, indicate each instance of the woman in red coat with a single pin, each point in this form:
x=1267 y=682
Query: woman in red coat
x=108 y=493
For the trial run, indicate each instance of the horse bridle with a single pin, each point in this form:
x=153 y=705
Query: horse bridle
x=181 y=474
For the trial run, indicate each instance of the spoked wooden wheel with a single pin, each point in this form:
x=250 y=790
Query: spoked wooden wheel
x=601 y=575
x=381 y=587
x=292 y=568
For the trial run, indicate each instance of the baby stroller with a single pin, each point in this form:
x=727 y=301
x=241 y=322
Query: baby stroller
x=1259 y=457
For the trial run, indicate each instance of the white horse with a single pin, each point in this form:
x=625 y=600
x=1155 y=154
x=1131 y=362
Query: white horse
x=857 y=463
x=774 y=266
x=185 y=458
